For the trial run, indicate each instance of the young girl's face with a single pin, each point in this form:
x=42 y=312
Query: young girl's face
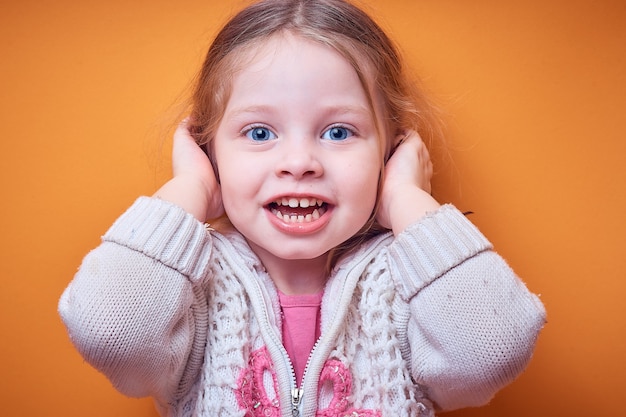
x=297 y=151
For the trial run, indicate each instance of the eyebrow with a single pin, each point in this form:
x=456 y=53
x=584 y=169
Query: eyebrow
x=268 y=109
x=250 y=109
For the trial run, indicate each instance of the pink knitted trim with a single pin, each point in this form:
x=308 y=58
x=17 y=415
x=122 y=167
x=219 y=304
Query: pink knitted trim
x=254 y=399
x=250 y=393
x=339 y=376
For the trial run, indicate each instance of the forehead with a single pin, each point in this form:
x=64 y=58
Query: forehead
x=291 y=68
x=289 y=58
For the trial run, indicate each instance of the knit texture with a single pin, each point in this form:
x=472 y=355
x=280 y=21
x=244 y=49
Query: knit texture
x=369 y=344
x=431 y=319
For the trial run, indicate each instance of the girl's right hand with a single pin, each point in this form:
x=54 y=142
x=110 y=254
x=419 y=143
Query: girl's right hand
x=193 y=186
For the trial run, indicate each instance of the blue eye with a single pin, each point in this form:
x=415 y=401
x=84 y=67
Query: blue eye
x=260 y=134
x=337 y=133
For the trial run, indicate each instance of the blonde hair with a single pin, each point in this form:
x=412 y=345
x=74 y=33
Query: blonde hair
x=341 y=26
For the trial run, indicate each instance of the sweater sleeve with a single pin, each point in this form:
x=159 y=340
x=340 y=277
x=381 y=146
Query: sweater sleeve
x=473 y=324
x=135 y=309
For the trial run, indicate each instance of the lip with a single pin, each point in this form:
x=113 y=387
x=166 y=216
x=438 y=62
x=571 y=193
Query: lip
x=294 y=227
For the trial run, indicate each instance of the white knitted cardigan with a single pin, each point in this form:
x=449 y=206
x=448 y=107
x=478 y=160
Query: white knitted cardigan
x=432 y=318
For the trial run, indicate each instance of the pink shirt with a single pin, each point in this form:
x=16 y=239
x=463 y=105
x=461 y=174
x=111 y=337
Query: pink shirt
x=301 y=327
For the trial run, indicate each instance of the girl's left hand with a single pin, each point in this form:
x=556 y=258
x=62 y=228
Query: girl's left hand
x=405 y=195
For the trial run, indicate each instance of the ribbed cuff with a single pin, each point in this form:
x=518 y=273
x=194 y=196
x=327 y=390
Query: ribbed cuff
x=166 y=233
x=431 y=247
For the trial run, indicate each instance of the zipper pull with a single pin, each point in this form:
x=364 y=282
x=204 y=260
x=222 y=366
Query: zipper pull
x=296 y=397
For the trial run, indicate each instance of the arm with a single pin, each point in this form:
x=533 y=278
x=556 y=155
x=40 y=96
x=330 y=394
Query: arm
x=136 y=310
x=133 y=307
x=473 y=324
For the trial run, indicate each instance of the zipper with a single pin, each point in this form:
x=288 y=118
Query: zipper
x=298 y=393
x=296 y=398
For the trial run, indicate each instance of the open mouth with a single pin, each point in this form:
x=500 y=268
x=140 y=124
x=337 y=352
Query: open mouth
x=298 y=210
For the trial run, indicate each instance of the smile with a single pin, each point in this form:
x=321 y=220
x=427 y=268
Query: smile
x=298 y=210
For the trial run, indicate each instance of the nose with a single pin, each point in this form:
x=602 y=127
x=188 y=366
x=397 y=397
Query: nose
x=299 y=159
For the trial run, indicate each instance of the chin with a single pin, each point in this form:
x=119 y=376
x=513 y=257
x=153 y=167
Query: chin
x=300 y=256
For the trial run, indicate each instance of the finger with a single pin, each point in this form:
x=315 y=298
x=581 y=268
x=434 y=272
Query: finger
x=182 y=142
x=186 y=154
x=182 y=130
x=400 y=137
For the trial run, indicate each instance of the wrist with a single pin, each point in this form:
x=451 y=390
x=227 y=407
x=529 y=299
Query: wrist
x=191 y=195
x=408 y=205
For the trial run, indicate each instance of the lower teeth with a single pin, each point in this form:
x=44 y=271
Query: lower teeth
x=298 y=218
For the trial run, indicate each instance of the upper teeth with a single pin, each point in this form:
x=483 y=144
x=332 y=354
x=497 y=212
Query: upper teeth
x=299 y=202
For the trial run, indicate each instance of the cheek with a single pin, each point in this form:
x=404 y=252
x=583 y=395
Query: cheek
x=371 y=191
x=230 y=182
x=364 y=188
x=235 y=189
x=240 y=183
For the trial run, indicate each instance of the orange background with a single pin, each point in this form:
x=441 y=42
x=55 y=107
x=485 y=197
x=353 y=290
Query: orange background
x=534 y=94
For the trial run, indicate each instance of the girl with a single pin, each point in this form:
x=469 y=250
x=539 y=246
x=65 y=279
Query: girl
x=301 y=303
